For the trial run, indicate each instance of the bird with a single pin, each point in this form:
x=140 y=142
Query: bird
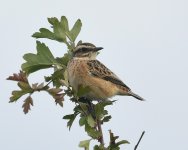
x=84 y=70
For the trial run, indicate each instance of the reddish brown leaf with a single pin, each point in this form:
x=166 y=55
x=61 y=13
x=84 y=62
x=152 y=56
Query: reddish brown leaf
x=21 y=76
x=27 y=104
x=59 y=98
x=57 y=95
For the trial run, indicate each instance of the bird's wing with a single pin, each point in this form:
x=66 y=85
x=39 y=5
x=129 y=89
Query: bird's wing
x=97 y=69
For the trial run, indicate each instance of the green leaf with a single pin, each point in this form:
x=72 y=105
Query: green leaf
x=71 y=119
x=43 y=59
x=82 y=121
x=75 y=30
x=25 y=89
x=91 y=122
x=44 y=33
x=92 y=132
x=85 y=144
x=64 y=24
x=52 y=20
x=16 y=95
x=64 y=60
x=100 y=147
x=56 y=78
x=122 y=142
x=106 y=119
x=99 y=108
x=113 y=144
x=59 y=32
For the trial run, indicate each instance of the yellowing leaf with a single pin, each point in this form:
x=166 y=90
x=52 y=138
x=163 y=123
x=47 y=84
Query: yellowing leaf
x=85 y=144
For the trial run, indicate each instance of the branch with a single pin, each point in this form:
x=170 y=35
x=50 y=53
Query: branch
x=101 y=139
x=139 y=140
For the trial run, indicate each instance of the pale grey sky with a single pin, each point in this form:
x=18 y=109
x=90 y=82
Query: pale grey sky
x=145 y=44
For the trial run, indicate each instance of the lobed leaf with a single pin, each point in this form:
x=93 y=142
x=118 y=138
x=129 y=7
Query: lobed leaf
x=43 y=59
x=92 y=132
x=71 y=119
x=27 y=104
x=44 y=33
x=113 y=144
x=75 y=30
x=85 y=144
x=25 y=89
x=21 y=76
x=106 y=119
x=57 y=95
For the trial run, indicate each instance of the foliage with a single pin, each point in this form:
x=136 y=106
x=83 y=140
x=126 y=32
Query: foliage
x=91 y=116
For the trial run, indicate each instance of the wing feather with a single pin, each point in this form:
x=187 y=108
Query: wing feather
x=97 y=69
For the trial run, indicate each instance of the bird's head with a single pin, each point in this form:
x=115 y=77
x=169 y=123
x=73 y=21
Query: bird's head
x=86 y=50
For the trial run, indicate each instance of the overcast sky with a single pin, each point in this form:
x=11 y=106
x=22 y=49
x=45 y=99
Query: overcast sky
x=145 y=44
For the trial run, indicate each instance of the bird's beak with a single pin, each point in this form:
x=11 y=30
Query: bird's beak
x=98 y=48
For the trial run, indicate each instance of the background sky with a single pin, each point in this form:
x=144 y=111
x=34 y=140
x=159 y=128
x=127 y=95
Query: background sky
x=145 y=44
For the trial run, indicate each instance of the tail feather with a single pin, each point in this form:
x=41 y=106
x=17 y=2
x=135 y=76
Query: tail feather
x=135 y=96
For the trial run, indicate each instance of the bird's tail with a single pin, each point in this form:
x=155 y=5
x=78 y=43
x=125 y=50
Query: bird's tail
x=136 y=96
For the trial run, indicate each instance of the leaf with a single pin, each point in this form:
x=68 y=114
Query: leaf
x=99 y=108
x=92 y=132
x=25 y=89
x=57 y=95
x=43 y=59
x=27 y=104
x=39 y=87
x=113 y=144
x=71 y=119
x=122 y=142
x=56 y=78
x=16 y=95
x=82 y=121
x=91 y=122
x=44 y=33
x=21 y=76
x=64 y=24
x=52 y=20
x=75 y=30
x=85 y=144
x=64 y=60
x=100 y=147
x=59 y=32
x=106 y=119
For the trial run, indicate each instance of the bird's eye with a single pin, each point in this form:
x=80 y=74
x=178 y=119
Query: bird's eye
x=84 y=49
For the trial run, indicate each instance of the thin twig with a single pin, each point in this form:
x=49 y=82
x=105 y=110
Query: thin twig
x=139 y=140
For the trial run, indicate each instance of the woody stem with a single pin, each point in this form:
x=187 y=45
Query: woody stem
x=101 y=139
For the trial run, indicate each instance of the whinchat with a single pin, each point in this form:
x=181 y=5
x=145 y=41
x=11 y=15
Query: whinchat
x=84 y=70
